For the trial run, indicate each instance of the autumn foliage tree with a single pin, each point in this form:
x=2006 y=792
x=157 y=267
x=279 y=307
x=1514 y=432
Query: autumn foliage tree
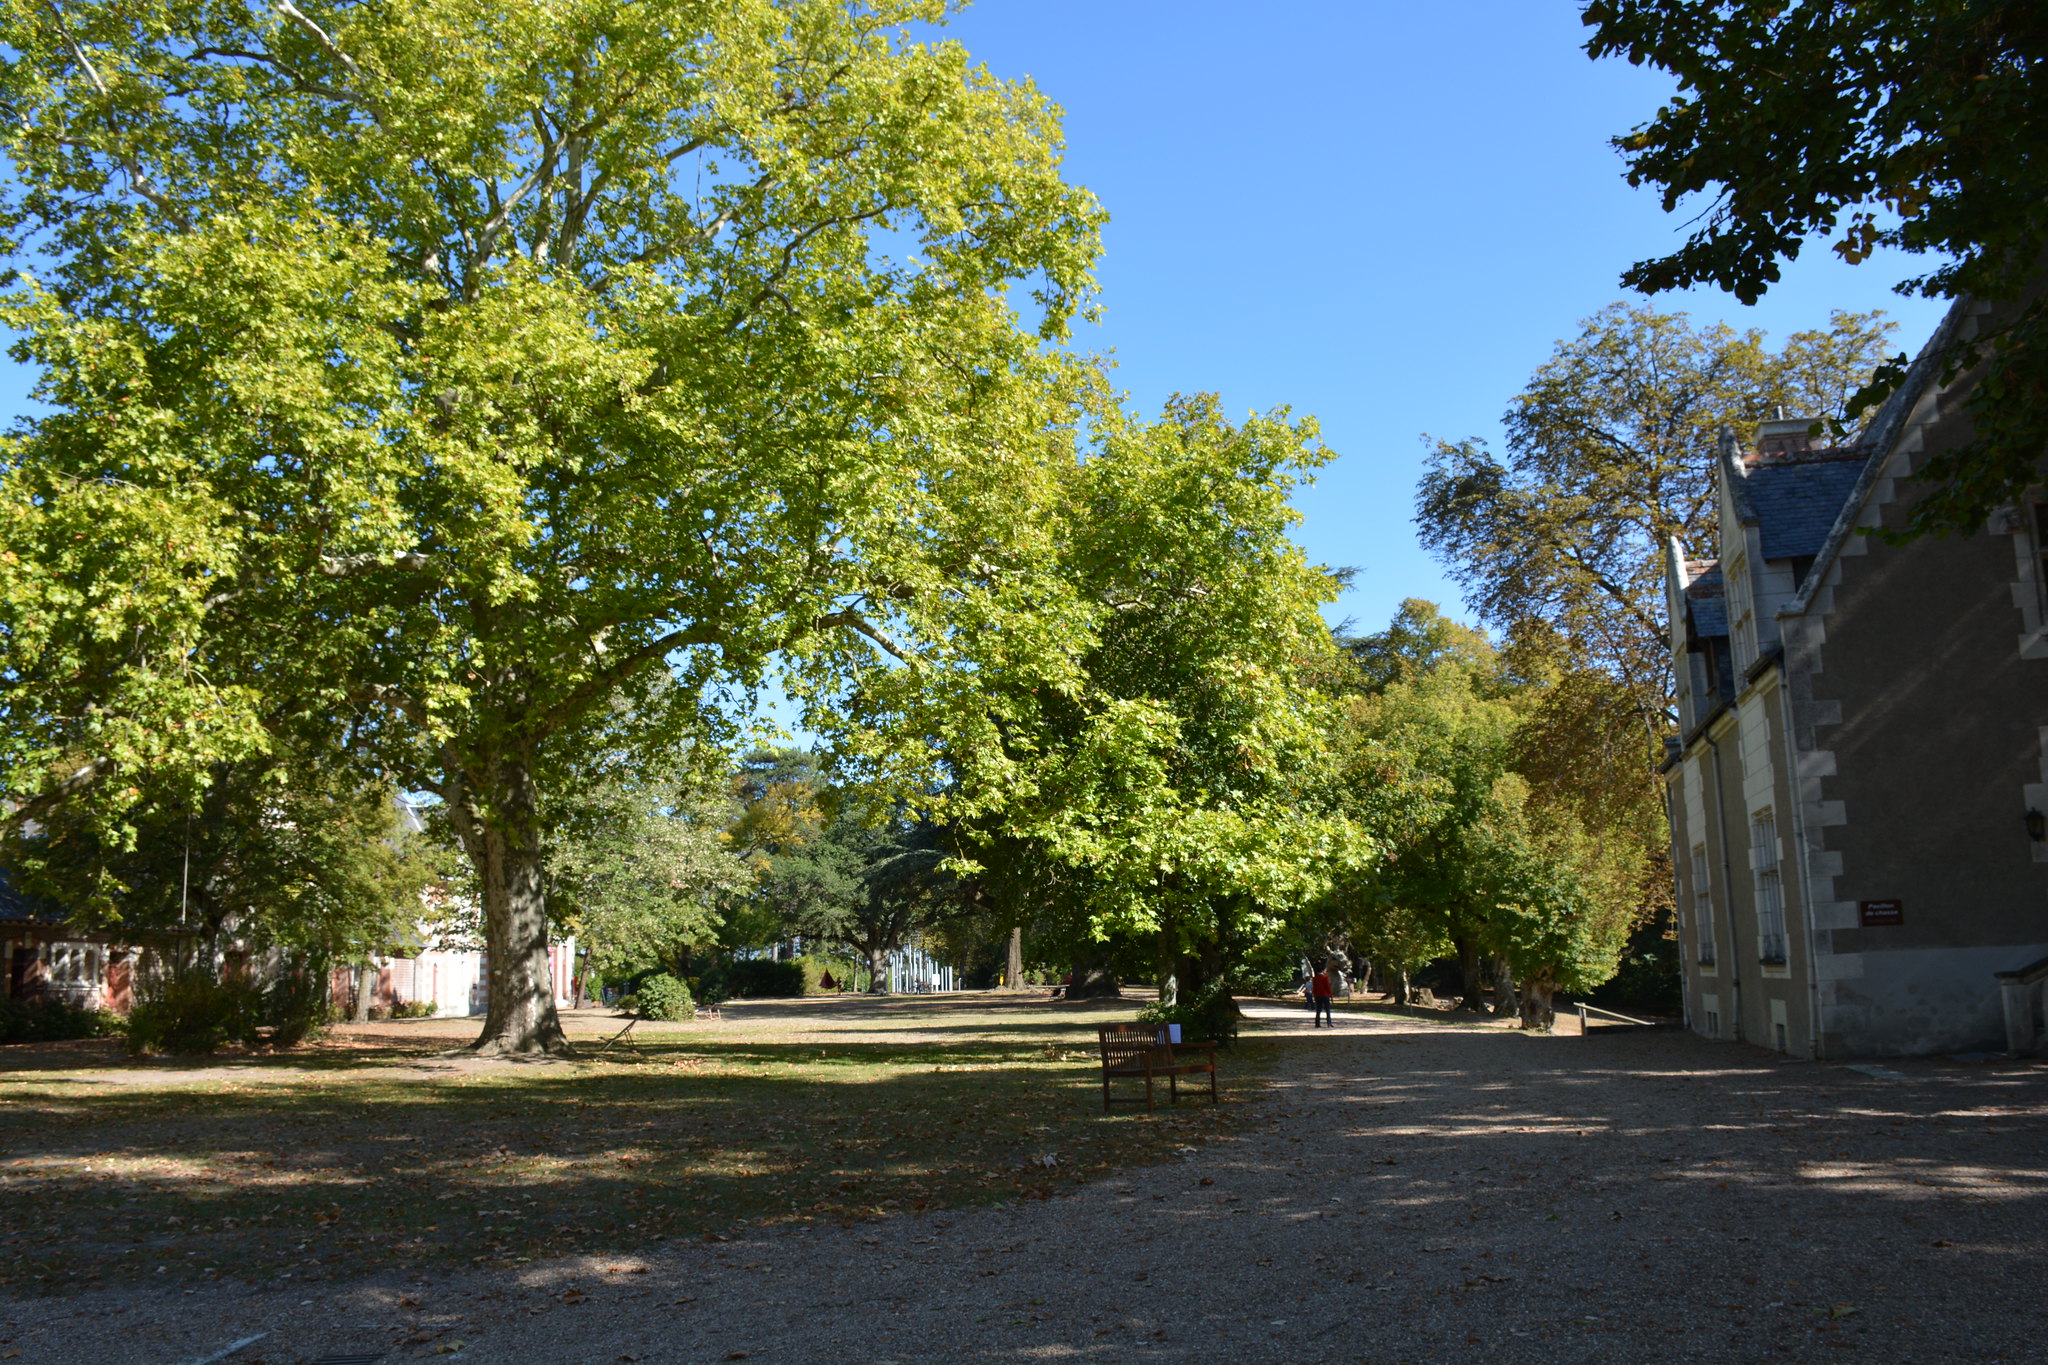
x=1611 y=452
x=1920 y=125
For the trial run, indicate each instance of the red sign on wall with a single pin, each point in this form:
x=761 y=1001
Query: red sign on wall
x=1878 y=914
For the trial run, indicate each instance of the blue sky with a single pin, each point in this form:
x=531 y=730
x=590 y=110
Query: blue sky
x=1383 y=214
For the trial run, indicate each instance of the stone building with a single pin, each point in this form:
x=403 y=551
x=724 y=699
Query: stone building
x=1856 y=788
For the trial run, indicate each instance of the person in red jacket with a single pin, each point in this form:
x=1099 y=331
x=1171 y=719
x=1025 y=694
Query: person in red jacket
x=1319 y=997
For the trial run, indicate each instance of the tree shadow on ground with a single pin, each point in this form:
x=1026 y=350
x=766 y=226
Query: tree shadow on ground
x=327 y=1175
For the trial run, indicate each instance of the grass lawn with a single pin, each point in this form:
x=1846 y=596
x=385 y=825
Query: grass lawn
x=361 y=1154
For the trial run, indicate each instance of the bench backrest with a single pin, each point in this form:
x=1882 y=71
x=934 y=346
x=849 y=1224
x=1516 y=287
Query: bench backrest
x=1126 y=1042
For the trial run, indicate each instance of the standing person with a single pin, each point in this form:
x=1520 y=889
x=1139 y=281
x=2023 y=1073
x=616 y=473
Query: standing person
x=1319 y=998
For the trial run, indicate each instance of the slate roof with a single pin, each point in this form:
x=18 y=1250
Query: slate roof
x=1798 y=498
x=1706 y=602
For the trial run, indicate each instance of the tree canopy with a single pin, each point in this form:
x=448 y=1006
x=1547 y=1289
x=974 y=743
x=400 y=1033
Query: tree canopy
x=1491 y=844
x=1916 y=124
x=467 y=371
x=1167 y=790
x=1611 y=451
x=637 y=871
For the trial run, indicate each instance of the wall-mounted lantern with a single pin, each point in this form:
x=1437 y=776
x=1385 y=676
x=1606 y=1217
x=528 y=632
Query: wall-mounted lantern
x=2037 y=825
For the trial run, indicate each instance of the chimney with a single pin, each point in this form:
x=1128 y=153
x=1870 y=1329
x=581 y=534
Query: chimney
x=1783 y=436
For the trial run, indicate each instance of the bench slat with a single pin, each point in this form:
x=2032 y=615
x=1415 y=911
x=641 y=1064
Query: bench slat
x=1134 y=1052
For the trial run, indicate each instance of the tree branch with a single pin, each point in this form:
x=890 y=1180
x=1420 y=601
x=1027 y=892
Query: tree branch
x=415 y=561
x=79 y=780
x=853 y=620
x=136 y=179
x=386 y=695
x=605 y=681
x=320 y=36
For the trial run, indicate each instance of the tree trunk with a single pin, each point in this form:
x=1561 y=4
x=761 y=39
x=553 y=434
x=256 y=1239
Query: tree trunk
x=1474 y=999
x=1397 y=984
x=1092 y=977
x=878 y=972
x=519 y=1017
x=1504 y=1004
x=366 y=979
x=1013 y=969
x=1538 y=1011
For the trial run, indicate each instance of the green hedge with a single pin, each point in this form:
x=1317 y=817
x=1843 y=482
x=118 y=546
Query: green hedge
x=753 y=979
x=194 y=1013
x=844 y=974
x=47 y=1021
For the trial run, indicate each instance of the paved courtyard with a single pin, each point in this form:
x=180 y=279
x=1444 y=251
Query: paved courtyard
x=1410 y=1192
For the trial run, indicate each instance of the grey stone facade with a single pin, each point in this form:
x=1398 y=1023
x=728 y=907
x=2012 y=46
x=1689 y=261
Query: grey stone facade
x=1863 y=729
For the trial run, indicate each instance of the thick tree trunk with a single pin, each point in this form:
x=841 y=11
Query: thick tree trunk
x=1397 y=984
x=878 y=971
x=504 y=846
x=366 y=979
x=1474 y=998
x=1504 y=1003
x=1092 y=978
x=1013 y=968
x=1538 y=1011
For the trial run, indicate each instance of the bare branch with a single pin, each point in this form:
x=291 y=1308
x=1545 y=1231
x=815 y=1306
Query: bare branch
x=501 y=210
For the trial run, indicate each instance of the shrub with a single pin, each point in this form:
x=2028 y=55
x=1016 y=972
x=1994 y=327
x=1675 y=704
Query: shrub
x=1269 y=979
x=48 y=1021
x=295 y=1006
x=1206 y=1012
x=414 y=1009
x=193 y=1012
x=663 y=996
x=763 y=978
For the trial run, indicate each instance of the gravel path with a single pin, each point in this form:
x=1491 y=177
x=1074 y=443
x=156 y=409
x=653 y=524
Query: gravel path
x=1416 y=1193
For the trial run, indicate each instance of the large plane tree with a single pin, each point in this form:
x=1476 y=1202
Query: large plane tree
x=466 y=372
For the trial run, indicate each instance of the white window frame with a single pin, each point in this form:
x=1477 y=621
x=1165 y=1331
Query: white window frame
x=1772 y=948
x=72 y=964
x=1703 y=906
x=1742 y=616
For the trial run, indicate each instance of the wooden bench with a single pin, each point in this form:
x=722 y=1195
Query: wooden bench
x=1134 y=1051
